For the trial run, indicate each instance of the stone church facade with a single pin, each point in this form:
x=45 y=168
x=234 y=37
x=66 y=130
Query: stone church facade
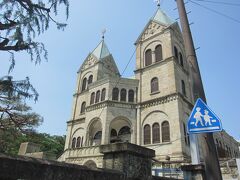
x=149 y=110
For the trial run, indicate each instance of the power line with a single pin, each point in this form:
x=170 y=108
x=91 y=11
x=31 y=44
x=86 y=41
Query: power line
x=216 y=12
x=219 y=2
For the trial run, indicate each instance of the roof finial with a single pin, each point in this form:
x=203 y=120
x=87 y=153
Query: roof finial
x=103 y=33
x=158 y=2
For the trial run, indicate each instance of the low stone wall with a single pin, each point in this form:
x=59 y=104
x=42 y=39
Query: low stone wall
x=13 y=168
x=27 y=168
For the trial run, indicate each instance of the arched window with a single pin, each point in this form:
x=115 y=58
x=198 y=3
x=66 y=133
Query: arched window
x=115 y=93
x=113 y=136
x=83 y=107
x=176 y=52
x=158 y=53
x=148 y=57
x=92 y=98
x=103 y=95
x=73 y=142
x=130 y=95
x=155 y=133
x=124 y=130
x=82 y=142
x=78 y=142
x=165 y=132
x=147 y=134
x=98 y=135
x=84 y=84
x=97 y=138
x=90 y=79
x=181 y=59
x=97 y=97
x=123 y=95
x=154 y=85
x=113 y=133
x=183 y=88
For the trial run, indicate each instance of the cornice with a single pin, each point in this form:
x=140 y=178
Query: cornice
x=165 y=99
x=169 y=59
x=110 y=103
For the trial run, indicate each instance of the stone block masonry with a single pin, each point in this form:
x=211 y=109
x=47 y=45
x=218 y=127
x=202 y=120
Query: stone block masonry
x=19 y=167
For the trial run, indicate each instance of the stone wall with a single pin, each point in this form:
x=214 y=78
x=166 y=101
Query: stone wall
x=19 y=167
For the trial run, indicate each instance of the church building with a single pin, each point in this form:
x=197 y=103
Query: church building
x=150 y=109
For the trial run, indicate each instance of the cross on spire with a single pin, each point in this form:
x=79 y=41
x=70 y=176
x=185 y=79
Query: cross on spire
x=103 y=33
x=158 y=2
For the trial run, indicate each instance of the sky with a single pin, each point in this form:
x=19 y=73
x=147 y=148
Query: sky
x=55 y=79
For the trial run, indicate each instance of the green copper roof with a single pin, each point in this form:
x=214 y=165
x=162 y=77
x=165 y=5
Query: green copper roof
x=101 y=51
x=162 y=18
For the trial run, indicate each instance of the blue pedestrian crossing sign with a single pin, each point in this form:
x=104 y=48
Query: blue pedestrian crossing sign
x=203 y=119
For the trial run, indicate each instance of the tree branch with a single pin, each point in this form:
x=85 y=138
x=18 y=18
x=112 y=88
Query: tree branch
x=7 y=25
x=17 y=47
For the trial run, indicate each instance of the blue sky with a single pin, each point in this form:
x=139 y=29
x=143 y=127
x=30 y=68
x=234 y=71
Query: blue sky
x=55 y=80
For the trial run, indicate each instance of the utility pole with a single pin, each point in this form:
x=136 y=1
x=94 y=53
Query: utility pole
x=212 y=168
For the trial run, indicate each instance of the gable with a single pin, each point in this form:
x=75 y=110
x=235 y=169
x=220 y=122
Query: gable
x=151 y=29
x=88 y=62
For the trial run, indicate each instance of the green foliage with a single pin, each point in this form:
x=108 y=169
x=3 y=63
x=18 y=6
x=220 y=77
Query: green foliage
x=22 y=20
x=14 y=112
x=11 y=139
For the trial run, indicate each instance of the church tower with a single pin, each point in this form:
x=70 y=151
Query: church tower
x=164 y=95
x=150 y=110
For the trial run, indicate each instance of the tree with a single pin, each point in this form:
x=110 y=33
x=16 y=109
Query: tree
x=10 y=142
x=22 y=20
x=14 y=112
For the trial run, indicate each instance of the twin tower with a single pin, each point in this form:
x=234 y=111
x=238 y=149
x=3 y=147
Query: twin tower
x=150 y=109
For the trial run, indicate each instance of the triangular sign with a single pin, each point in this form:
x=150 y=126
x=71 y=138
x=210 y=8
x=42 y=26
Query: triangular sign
x=203 y=119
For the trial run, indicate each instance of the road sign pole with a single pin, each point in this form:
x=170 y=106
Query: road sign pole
x=212 y=168
x=194 y=148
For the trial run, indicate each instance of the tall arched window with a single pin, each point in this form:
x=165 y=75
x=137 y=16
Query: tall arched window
x=148 y=57
x=165 y=132
x=73 y=142
x=97 y=97
x=82 y=142
x=90 y=79
x=158 y=53
x=181 y=59
x=115 y=94
x=84 y=84
x=154 y=84
x=78 y=142
x=83 y=107
x=103 y=94
x=92 y=98
x=176 y=52
x=123 y=95
x=183 y=88
x=130 y=95
x=147 y=134
x=155 y=133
